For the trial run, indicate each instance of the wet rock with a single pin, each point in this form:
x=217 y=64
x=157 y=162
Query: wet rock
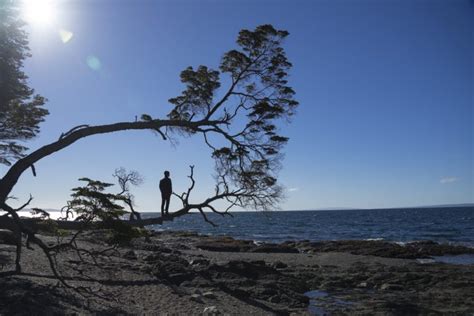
x=431 y=248
x=183 y=233
x=275 y=248
x=225 y=244
x=257 y=280
x=414 y=250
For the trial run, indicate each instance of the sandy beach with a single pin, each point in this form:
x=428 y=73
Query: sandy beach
x=181 y=273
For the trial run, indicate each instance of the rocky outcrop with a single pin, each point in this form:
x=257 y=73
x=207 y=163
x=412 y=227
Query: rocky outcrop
x=413 y=250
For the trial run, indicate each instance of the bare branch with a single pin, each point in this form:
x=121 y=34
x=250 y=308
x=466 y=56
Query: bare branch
x=24 y=205
x=205 y=217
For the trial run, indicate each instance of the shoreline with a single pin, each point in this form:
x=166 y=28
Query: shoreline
x=185 y=273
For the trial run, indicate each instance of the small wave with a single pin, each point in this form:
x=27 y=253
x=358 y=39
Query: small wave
x=401 y=243
x=466 y=259
x=425 y=261
x=374 y=239
x=261 y=236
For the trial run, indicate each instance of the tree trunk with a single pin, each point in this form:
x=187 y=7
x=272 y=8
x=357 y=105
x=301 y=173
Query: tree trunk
x=35 y=224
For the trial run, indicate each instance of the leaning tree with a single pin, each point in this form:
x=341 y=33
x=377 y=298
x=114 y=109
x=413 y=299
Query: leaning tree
x=238 y=123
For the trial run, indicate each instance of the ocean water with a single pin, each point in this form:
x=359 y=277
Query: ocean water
x=453 y=225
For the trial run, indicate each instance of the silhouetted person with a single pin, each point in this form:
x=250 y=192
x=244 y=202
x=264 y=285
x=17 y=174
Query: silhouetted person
x=166 y=190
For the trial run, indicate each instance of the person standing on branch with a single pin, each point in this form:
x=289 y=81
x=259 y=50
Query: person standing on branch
x=166 y=191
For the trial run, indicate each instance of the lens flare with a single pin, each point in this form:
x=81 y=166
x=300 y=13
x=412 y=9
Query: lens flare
x=93 y=62
x=65 y=35
x=39 y=12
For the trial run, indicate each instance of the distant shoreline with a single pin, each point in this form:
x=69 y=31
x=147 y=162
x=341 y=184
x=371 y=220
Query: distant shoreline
x=464 y=205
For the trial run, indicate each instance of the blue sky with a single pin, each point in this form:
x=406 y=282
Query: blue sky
x=385 y=92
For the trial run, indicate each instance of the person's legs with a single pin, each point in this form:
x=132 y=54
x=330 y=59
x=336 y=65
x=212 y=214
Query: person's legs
x=163 y=201
x=167 y=204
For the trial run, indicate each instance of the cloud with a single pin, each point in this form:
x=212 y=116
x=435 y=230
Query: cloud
x=293 y=189
x=445 y=180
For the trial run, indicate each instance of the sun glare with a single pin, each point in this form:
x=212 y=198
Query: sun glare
x=39 y=12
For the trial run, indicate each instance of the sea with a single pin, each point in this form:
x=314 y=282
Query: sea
x=452 y=225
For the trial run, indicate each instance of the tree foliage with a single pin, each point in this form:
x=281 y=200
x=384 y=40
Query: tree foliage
x=21 y=109
x=248 y=157
x=92 y=202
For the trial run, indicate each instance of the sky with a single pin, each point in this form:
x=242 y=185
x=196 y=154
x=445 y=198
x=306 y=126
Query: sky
x=385 y=91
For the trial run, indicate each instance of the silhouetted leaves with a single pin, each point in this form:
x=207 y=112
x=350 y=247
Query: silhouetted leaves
x=199 y=93
x=21 y=109
x=245 y=116
x=90 y=202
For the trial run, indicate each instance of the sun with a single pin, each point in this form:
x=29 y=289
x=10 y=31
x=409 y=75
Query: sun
x=39 y=12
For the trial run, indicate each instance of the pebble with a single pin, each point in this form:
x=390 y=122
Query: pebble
x=211 y=310
x=196 y=297
x=208 y=295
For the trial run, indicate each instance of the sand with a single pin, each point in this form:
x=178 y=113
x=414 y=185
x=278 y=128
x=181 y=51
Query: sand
x=171 y=274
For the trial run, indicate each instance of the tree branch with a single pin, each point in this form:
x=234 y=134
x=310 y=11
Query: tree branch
x=13 y=174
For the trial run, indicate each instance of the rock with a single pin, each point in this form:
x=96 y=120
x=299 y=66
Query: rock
x=211 y=310
x=131 y=255
x=275 y=248
x=258 y=262
x=197 y=281
x=244 y=269
x=275 y=299
x=208 y=295
x=225 y=244
x=391 y=287
x=170 y=267
x=178 y=278
x=279 y=265
x=363 y=285
x=380 y=248
x=196 y=298
x=199 y=262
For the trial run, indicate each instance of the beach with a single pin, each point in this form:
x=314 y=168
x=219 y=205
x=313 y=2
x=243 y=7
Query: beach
x=184 y=273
